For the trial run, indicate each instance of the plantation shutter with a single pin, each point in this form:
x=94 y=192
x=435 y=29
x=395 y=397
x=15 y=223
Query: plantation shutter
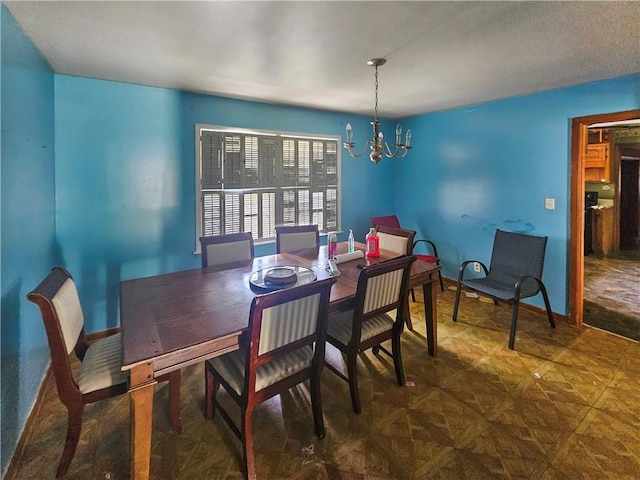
x=251 y=182
x=211 y=168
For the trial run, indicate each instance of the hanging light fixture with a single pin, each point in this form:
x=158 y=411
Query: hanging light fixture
x=379 y=147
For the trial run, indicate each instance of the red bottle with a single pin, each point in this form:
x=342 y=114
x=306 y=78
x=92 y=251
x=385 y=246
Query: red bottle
x=373 y=244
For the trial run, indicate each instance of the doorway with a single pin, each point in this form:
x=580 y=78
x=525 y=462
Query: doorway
x=579 y=137
x=629 y=197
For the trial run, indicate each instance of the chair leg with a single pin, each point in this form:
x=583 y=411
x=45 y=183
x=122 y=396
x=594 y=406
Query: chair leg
x=547 y=305
x=247 y=444
x=413 y=295
x=456 y=302
x=353 y=381
x=174 y=401
x=210 y=389
x=440 y=279
x=407 y=315
x=316 y=404
x=514 y=322
x=73 y=435
x=397 y=358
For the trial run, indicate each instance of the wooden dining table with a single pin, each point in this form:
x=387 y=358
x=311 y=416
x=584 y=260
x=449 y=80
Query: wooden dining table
x=174 y=320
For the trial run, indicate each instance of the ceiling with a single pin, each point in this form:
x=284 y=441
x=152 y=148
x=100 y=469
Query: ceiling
x=440 y=55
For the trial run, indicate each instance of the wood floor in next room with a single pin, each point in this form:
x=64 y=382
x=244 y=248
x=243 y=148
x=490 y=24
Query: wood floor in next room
x=563 y=405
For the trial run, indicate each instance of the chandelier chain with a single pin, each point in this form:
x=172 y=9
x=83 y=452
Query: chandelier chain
x=376 y=107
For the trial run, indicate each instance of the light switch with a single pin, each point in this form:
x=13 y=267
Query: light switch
x=550 y=203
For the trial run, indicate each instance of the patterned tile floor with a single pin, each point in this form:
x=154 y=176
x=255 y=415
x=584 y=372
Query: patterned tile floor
x=564 y=405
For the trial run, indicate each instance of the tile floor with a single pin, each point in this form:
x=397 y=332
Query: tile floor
x=612 y=292
x=564 y=405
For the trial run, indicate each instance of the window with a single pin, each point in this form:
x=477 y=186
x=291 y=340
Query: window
x=251 y=181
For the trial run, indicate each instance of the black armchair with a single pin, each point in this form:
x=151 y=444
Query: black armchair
x=515 y=273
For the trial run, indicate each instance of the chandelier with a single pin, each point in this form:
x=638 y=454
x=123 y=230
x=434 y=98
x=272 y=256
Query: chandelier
x=377 y=144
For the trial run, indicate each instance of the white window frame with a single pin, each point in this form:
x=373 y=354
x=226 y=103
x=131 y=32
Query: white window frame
x=199 y=190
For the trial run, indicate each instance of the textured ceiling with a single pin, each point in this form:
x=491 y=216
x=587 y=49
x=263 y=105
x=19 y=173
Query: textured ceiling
x=440 y=55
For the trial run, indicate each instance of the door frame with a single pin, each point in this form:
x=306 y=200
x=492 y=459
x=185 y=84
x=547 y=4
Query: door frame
x=576 y=211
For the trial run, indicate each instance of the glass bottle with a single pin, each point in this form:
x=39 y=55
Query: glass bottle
x=351 y=242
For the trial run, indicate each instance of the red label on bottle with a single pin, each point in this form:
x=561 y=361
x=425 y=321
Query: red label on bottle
x=373 y=246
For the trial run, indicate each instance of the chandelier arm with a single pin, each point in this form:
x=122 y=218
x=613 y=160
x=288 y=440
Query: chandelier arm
x=354 y=154
x=392 y=153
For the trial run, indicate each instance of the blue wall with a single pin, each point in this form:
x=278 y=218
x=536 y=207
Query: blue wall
x=125 y=177
x=28 y=226
x=125 y=172
x=492 y=165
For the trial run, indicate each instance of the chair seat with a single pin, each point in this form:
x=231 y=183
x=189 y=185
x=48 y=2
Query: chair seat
x=101 y=365
x=498 y=290
x=231 y=367
x=427 y=258
x=341 y=324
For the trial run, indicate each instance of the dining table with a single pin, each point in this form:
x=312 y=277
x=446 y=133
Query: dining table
x=174 y=320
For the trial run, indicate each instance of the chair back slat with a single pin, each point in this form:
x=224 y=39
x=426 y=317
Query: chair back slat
x=221 y=249
x=66 y=304
x=397 y=240
x=220 y=253
x=291 y=238
x=383 y=290
x=290 y=242
x=285 y=323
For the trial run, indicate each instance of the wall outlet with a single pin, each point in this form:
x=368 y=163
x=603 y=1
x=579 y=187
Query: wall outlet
x=476 y=267
x=550 y=203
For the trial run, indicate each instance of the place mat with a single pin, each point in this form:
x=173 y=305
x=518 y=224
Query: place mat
x=279 y=277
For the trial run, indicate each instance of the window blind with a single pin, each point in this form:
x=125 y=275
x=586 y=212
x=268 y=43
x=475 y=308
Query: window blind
x=251 y=182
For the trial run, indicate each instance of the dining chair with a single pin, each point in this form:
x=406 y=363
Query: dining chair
x=431 y=256
x=285 y=346
x=99 y=376
x=290 y=238
x=395 y=239
x=381 y=288
x=232 y=247
x=515 y=272
x=399 y=241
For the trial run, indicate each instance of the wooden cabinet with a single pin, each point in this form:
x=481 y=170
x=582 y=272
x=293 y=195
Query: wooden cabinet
x=603 y=230
x=596 y=158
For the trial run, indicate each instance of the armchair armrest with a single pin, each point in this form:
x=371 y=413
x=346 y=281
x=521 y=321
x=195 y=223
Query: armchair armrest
x=430 y=243
x=464 y=265
x=519 y=284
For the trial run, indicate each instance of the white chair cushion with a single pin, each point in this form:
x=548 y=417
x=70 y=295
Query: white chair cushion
x=290 y=242
x=393 y=243
x=67 y=306
x=220 y=253
x=232 y=366
x=102 y=364
x=288 y=322
x=382 y=290
x=341 y=325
